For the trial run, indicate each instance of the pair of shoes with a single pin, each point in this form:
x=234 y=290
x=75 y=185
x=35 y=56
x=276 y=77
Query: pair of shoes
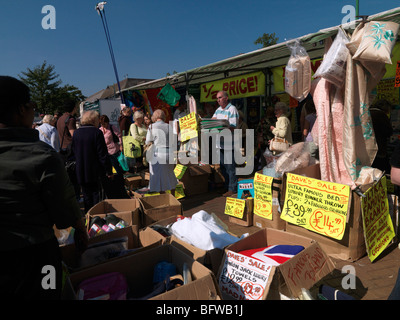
x=228 y=193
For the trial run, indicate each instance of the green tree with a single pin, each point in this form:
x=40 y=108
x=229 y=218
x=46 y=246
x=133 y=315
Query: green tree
x=46 y=91
x=267 y=39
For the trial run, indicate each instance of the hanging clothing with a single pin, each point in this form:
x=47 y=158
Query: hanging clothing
x=359 y=147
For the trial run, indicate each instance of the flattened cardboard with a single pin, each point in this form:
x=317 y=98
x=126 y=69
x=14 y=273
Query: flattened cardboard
x=289 y=277
x=138 y=270
x=159 y=207
x=352 y=246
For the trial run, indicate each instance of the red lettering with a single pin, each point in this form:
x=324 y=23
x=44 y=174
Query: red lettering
x=232 y=90
x=250 y=84
x=242 y=89
x=225 y=86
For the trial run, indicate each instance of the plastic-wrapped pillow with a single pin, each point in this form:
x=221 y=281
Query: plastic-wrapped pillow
x=378 y=40
x=333 y=67
x=298 y=72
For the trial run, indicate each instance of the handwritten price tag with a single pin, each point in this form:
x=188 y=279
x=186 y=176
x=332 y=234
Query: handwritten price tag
x=316 y=205
x=188 y=126
x=263 y=195
x=235 y=207
x=179 y=171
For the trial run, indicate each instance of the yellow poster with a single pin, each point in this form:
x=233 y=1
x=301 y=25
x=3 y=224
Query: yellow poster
x=248 y=85
x=179 y=171
x=235 y=207
x=188 y=126
x=263 y=195
x=316 y=205
x=378 y=226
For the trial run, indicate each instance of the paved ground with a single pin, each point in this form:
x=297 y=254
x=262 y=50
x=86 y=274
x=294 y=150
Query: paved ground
x=375 y=281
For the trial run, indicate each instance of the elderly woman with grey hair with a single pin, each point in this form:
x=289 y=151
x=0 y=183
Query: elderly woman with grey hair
x=162 y=176
x=283 y=127
x=48 y=132
x=139 y=131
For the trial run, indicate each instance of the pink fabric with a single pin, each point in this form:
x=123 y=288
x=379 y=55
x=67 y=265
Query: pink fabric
x=328 y=131
x=112 y=147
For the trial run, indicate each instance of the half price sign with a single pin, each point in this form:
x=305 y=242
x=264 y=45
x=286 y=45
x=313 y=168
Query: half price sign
x=316 y=205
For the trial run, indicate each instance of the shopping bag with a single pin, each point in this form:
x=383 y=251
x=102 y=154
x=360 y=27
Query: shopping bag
x=131 y=147
x=123 y=162
x=279 y=144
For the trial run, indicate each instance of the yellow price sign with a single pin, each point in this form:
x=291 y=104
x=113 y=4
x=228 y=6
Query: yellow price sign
x=263 y=195
x=235 y=207
x=179 y=192
x=188 y=126
x=316 y=205
x=377 y=223
x=179 y=171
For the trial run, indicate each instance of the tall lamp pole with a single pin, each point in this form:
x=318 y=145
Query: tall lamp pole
x=102 y=13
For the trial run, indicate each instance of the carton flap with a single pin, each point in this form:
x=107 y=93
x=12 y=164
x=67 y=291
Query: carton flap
x=306 y=268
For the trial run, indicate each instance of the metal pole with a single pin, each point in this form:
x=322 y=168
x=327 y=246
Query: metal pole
x=357 y=7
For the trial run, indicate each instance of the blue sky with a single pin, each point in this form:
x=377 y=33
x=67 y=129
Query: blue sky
x=153 y=37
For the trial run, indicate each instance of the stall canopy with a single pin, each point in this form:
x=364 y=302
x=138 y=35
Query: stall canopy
x=259 y=60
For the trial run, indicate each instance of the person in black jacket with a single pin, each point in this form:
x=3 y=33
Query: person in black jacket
x=35 y=195
x=92 y=162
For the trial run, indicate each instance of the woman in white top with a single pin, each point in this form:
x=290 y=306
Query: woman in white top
x=162 y=176
x=48 y=132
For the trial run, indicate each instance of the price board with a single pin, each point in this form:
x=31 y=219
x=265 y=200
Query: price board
x=235 y=207
x=188 y=126
x=263 y=195
x=377 y=223
x=242 y=277
x=316 y=205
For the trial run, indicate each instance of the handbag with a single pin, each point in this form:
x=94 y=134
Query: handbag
x=131 y=147
x=123 y=162
x=279 y=144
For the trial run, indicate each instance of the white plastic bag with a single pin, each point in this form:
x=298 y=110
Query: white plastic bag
x=333 y=67
x=298 y=72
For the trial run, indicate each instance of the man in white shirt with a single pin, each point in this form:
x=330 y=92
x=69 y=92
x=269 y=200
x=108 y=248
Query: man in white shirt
x=227 y=111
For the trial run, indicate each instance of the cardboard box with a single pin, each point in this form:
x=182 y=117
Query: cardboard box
x=148 y=235
x=247 y=219
x=195 y=179
x=262 y=282
x=276 y=222
x=209 y=258
x=72 y=258
x=114 y=205
x=159 y=207
x=134 y=182
x=139 y=270
x=352 y=246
